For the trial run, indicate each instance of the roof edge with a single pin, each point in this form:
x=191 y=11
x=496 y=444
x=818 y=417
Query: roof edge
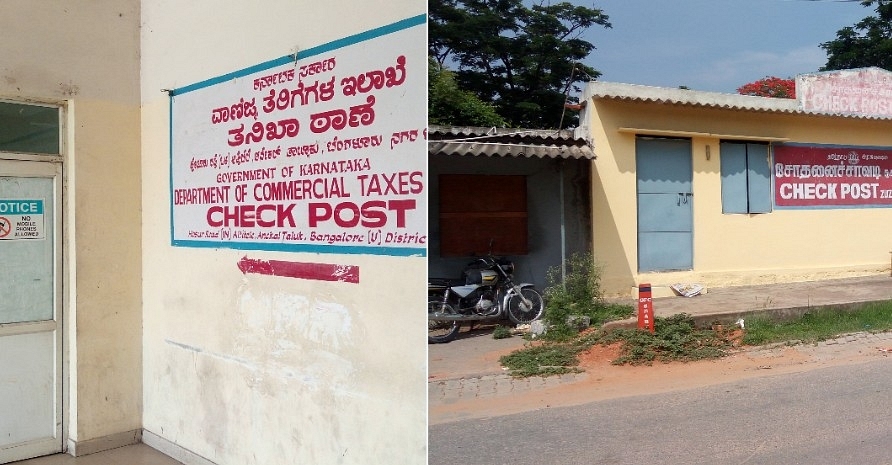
x=616 y=90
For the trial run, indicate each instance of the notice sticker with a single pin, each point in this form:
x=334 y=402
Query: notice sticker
x=22 y=219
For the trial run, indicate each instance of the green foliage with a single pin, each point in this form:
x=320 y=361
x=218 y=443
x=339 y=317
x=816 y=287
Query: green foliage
x=544 y=360
x=519 y=58
x=820 y=324
x=501 y=332
x=450 y=106
x=867 y=43
x=675 y=338
x=579 y=293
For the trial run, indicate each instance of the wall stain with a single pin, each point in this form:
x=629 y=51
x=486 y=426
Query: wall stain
x=69 y=90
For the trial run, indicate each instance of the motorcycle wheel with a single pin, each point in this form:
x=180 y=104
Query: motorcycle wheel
x=440 y=331
x=521 y=314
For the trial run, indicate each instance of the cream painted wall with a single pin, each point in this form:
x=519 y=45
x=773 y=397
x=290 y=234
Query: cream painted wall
x=783 y=246
x=261 y=369
x=86 y=55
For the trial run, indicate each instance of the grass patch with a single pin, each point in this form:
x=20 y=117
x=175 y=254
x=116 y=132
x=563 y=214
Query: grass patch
x=677 y=339
x=551 y=358
x=501 y=332
x=820 y=324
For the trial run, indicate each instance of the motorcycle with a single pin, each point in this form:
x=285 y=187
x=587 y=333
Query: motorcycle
x=486 y=292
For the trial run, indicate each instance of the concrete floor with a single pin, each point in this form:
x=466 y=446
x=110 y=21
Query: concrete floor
x=138 y=454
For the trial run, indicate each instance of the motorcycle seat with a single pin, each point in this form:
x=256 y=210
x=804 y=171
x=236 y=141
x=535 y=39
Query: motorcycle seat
x=443 y=283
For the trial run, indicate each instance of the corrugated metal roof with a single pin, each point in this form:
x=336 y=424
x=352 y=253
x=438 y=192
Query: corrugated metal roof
x=675 y=96
x=452 y=140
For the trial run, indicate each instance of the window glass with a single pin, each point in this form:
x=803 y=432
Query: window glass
x=746 y=178
x=27 y=242
x=733 y=165
x=758 y=178
x=29 y=128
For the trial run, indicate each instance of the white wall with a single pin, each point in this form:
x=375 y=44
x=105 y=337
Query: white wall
x=247 y=368
x=85 y=56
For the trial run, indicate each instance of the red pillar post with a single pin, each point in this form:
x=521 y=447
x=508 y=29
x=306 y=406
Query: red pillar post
x=645 y=308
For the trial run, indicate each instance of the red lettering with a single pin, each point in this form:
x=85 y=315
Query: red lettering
x=318 y=212
x=400 y=207
x=416 y=182
x=283 y=214
x=374 y=214
x=249 y=216
x=265 y=208
x=354 y=210
x=211 y=221
x=371 y=214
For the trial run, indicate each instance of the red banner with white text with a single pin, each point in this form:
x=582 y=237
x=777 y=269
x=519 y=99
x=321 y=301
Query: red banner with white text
x=829 y=176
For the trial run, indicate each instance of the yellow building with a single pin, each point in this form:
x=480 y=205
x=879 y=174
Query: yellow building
x=724 y=189
x=167 y=279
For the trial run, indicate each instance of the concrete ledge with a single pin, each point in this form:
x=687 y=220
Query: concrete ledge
x=172 y=450
x=104 y=443
x=661 y=290
x=704 y=320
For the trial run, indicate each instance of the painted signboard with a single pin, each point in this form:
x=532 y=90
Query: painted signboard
x=832 y=176
x=863 y=91
x=321 y=151
x=21 y=219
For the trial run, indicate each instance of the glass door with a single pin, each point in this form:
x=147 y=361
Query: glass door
x=30 y=310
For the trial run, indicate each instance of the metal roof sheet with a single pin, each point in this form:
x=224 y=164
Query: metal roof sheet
x=670 y=95
x=676 y=96
x=451 y=140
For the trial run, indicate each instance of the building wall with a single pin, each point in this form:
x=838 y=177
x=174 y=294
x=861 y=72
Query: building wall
x=544 y=215
x=781 y=246
x=86 y=57
x=262 y=369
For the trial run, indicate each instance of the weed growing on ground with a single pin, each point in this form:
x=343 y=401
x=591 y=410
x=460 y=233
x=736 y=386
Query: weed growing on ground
x=542 y=360
x=578 y=292
x=501 y=332
x=675 y=339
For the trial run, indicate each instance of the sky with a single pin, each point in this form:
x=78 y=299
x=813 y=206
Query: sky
x=714 y=45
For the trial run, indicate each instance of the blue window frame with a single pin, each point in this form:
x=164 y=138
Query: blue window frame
x=746 y=177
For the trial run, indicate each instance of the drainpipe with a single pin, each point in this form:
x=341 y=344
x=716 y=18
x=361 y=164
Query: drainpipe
x=563 y=228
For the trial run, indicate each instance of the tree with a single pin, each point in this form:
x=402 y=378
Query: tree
x=867 y=43
x=770 y=86
x=520 y=59
x=451 y=106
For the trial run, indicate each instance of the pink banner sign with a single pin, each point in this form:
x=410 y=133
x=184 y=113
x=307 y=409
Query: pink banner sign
x=863 y=91
x=821 y=176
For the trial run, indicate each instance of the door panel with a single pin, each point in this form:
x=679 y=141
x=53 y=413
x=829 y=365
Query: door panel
x=665 y=212
x=665 y=204
x=665 y=250
x=30 y=310
x=26 y=387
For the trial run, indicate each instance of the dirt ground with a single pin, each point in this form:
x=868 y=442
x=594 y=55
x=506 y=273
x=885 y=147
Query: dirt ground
x=606 y=381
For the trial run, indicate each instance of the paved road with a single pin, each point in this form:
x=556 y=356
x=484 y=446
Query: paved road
x=835 y=415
